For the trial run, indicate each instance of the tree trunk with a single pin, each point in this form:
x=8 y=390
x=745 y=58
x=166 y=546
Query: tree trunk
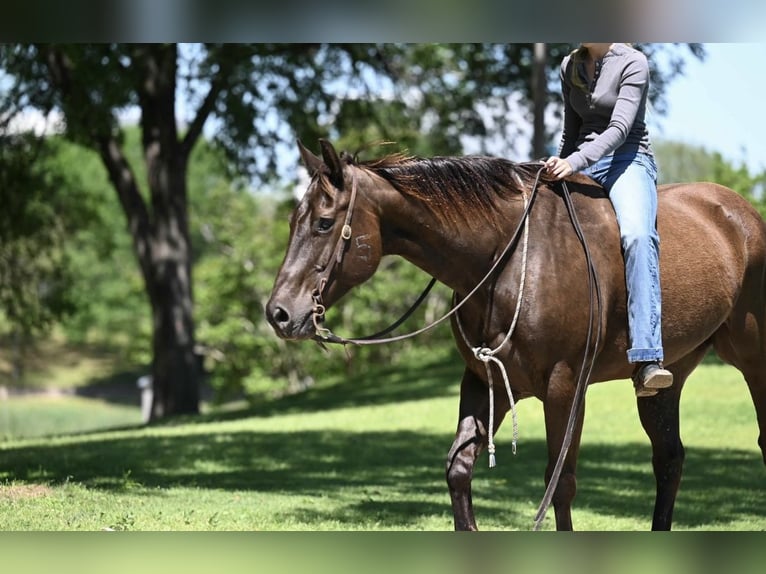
x=175 y=372
x=539 y=94
x=168 y=277
x=161 y=235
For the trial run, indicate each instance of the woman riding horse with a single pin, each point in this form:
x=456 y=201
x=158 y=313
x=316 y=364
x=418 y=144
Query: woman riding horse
x=605 y=91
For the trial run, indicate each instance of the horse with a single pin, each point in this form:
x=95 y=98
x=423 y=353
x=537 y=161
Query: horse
x=453 y=216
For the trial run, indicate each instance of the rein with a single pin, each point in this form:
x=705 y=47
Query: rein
x=584 y=375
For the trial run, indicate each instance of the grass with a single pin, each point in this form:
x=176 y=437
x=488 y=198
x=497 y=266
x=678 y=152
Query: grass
x=52 y=364
x=368 y=454
x=55 y=395
x=40 y=416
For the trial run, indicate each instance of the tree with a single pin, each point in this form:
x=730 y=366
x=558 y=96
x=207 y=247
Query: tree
x=36 y=216
x=427 y=97
x=88 y=84
x=681 y=162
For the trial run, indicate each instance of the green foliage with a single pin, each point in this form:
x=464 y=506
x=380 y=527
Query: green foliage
x=37 y=215
x=103 y=84
x=680 y=162
x=106 y=289
x=232 y=281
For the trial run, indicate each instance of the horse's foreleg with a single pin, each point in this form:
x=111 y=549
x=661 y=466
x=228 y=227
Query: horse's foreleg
x=660 y=419
x=470 y=438
x=557 y=407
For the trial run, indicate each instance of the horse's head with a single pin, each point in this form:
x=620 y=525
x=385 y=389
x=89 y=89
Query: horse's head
x=334 y=245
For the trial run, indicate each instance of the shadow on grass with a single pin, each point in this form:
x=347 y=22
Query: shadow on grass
x=391 y=478
x=407 y=381
x=119 y=388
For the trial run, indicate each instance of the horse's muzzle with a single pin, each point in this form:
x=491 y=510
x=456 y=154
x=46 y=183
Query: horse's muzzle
x=287 y=323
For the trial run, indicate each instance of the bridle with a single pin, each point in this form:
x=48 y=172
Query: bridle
x=324 y=335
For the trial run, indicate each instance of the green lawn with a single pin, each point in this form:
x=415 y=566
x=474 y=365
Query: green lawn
x=368 y=454
x=39 y=416
x=54 y=364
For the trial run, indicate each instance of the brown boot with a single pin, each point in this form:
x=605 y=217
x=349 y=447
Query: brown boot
x=648 y=378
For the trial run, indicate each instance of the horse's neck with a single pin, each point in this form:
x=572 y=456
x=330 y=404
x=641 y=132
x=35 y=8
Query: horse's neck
x=456 y=255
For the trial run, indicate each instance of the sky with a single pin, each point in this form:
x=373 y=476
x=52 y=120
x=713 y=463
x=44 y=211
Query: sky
x=719 y=104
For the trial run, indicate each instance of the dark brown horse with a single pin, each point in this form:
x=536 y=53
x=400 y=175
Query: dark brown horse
x=453 y=216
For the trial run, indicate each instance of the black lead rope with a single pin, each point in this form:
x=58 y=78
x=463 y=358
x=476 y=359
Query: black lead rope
x=584 y=375
x=405 y=316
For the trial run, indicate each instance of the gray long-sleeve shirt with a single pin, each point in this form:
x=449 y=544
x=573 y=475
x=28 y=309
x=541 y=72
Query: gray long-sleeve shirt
x=610 y=116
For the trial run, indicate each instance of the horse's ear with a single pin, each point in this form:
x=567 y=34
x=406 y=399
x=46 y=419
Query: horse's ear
x=332 y=161
x=312 y=162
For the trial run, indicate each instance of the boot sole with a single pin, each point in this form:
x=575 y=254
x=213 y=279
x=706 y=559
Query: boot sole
x=643 y=393
x=659 y=380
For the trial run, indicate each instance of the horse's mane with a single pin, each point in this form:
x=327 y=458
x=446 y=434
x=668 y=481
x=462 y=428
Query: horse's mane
x=458 y=187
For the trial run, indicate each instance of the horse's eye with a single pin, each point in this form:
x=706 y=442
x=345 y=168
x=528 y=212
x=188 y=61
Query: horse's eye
x=324 y=224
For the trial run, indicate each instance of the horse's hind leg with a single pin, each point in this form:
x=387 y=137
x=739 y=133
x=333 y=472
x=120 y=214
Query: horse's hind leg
x=659 y=417
x=756 y=382
x=470 y=438
x=744 y=349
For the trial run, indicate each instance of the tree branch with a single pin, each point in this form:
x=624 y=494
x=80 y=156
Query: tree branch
x=217 y=85
x=124 y=181
x=106 y=144
x=204 y=111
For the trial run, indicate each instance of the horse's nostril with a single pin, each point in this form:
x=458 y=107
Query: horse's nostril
x=280 y=315
x=280 y=319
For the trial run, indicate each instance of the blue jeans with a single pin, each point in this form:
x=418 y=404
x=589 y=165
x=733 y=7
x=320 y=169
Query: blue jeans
x=631 y=180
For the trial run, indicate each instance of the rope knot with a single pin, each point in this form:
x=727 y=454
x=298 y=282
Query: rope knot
x=484 y=354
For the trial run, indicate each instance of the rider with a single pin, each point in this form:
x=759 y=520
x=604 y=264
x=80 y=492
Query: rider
x=604 y=87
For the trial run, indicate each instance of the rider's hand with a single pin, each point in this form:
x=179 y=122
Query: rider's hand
x=558 y=168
